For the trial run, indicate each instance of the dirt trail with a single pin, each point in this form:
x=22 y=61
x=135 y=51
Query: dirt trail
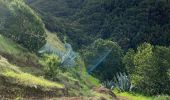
x=123 y=98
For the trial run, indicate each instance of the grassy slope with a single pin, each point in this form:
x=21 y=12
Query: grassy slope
x=53 y=40
x=26 y=81
x=20 y=73
x=129 y=96
x=17 y=81
x=16 y=54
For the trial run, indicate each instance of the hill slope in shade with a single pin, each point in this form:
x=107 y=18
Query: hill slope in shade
x=129 y=23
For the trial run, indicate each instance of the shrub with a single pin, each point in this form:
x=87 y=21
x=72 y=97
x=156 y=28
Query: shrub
x=103 y=59
x=52 y=64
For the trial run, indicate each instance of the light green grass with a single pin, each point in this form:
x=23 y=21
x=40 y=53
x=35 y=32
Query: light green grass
x=53 y=40
x=163 y=97
x=16 y=76
x=8 y=46
x=30 y=80
x=133 y=96
x=97 y=96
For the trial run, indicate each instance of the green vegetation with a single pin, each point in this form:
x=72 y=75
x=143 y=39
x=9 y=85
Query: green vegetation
x=129 y=23
x=24 y=81
x=21 y=84
x=103 y=55
x=130 y=96
x=85 y=49
x=149 y=69
x=69 y=76
x=8 y=47
x=133 y=96
x=16 y=54
x=29 y=80
x=53 y=40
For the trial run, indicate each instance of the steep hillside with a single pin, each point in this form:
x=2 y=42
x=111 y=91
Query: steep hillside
x=55 y=49
x=16 y=54
x=27 y=73
x=24 y=80
x=15 y=83
x=55 y=13
x=128 y=22
x=20 y=23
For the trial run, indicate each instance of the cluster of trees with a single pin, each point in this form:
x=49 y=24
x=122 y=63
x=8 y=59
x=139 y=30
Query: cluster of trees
x=148 y=66
x=22 y=25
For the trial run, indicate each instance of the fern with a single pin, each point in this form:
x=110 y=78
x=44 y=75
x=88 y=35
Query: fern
x=109 y=84
x=123 y=82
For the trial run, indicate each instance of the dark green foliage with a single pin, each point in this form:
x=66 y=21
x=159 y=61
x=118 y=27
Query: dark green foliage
x=106 y=68
x=148 y=68
x=22 y=25
x=121 y=82
x=127 y=22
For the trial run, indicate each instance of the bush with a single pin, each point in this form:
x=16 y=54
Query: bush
x=103 y=59
x=51 y=68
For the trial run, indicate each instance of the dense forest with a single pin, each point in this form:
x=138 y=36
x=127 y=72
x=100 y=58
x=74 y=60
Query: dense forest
x=128 y=22
x=85 y=49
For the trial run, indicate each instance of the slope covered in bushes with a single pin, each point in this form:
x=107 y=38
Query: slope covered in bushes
x=21 y=24
x=48 y=80
x=57 y=70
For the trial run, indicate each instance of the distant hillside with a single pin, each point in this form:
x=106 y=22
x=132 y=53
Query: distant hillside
x=128 y=22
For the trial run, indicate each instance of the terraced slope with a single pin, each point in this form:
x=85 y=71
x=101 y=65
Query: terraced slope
x=16 y=83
